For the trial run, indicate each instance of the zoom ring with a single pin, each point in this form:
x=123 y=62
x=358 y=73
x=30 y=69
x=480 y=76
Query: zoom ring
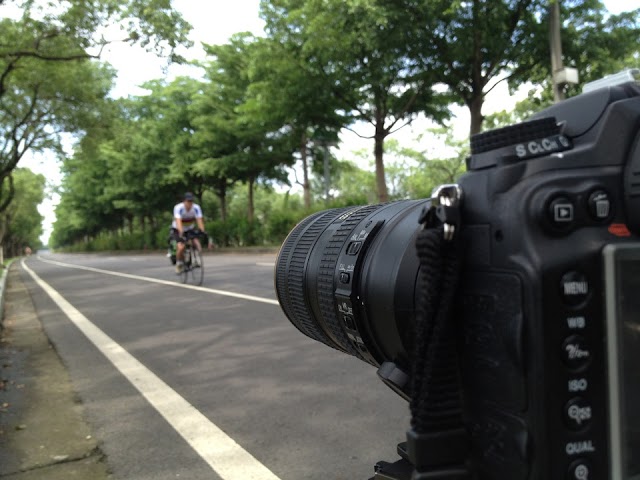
x=290 y=280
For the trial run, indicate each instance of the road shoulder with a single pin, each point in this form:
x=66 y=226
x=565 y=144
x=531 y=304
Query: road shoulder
x=42 y=430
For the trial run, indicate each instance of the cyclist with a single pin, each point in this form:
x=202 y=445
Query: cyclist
x=186 y=216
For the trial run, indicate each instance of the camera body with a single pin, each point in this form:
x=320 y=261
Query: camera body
x=543 y=200
x=547 y=315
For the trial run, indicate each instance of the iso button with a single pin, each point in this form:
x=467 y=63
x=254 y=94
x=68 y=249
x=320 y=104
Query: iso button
x=580 y=470
x=577 y=414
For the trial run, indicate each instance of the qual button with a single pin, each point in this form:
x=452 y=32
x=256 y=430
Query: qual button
x=580 y=470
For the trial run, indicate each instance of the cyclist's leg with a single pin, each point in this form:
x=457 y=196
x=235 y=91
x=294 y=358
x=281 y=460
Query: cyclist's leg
x=180 y=250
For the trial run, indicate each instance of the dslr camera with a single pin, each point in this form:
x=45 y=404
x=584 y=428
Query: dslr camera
x=506 y=308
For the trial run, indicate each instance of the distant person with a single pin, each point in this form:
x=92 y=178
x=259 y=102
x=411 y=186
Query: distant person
x=186 y=216
x=27 y=250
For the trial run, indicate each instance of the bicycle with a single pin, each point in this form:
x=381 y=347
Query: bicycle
x=193 y=263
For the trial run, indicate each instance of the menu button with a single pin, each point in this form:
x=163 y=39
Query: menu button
x=574 y=288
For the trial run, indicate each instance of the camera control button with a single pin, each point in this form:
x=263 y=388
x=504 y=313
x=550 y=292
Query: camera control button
x=575 y=352
x=354 y=248
x=561 y=212
x=345 y=277
x=577 y=413
x=349 y=322
x=599 y=205
x=580 y=470
x=574 y=288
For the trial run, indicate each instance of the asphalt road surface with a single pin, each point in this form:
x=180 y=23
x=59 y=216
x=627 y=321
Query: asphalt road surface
x=192 y=383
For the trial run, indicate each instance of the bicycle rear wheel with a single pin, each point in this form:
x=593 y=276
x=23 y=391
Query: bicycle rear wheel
x=197 y=267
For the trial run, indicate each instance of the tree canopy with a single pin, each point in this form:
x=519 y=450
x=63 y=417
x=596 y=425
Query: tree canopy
x=269 y=110
x=21 y=222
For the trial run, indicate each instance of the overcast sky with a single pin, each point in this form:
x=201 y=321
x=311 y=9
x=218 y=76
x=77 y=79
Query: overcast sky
x=214 y=22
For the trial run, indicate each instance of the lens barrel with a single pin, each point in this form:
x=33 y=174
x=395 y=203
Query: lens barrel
x=347 y=278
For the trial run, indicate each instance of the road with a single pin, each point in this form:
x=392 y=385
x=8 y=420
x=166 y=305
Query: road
x=226 y=369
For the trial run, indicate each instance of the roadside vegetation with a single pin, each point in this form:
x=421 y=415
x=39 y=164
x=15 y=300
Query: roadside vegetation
x=253 y=135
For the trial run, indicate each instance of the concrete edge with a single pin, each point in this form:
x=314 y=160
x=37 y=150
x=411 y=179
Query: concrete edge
x=3 y=284
x=215 y=251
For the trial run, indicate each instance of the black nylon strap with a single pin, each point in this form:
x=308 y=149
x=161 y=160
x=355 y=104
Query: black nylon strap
x=438 y=443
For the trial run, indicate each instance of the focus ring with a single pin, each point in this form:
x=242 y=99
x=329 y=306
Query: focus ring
x=282 y=272
x=326 y=278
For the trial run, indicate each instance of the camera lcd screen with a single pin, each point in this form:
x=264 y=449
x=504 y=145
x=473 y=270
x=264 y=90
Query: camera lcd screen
x=622 y=275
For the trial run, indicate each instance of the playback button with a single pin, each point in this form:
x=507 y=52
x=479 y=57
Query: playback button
x=561 y=212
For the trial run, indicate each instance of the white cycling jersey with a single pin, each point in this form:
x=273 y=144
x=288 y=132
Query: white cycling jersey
x=188 y=216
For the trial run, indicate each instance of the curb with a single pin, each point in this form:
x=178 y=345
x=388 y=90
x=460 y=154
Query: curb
x=3 y=284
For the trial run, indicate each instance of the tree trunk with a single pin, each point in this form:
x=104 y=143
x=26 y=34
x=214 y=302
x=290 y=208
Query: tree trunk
x=378 y=151
x=221 y=192
x=3 y=229
x=306 y=187
x=475 y=108
x=251 y=207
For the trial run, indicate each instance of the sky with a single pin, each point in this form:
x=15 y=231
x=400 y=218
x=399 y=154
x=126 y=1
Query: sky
x=214 y=22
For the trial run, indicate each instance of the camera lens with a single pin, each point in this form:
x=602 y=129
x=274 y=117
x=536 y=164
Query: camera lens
x=347 y=278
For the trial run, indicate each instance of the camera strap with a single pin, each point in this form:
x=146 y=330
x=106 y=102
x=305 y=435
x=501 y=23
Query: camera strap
x=438 y=443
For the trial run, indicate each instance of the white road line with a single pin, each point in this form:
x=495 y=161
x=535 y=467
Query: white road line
x=228 y=459
x=162 y=282
x=265 y=264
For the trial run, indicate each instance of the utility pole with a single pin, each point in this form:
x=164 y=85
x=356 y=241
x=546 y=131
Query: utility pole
x=556 y=49
x=327 y=178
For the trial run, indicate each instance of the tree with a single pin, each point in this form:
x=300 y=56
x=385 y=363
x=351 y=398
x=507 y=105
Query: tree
x=232 y=144
x=21 y=223
x=361 y=48
x=47 y=82
x=412 y=173
x=43 y=101
x=477 y=44
x=307 y=111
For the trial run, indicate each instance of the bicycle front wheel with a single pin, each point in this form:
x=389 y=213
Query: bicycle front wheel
x=197 y=266
x=188 y=264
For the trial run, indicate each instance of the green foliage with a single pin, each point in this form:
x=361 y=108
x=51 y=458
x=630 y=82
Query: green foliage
x=265 y=104
x=361 y=52
x=21 y=223
x=411 y=173
x=477 y=44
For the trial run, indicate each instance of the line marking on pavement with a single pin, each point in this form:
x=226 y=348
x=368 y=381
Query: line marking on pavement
x=163 y=282
x=228 y=459
x=265 y=264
